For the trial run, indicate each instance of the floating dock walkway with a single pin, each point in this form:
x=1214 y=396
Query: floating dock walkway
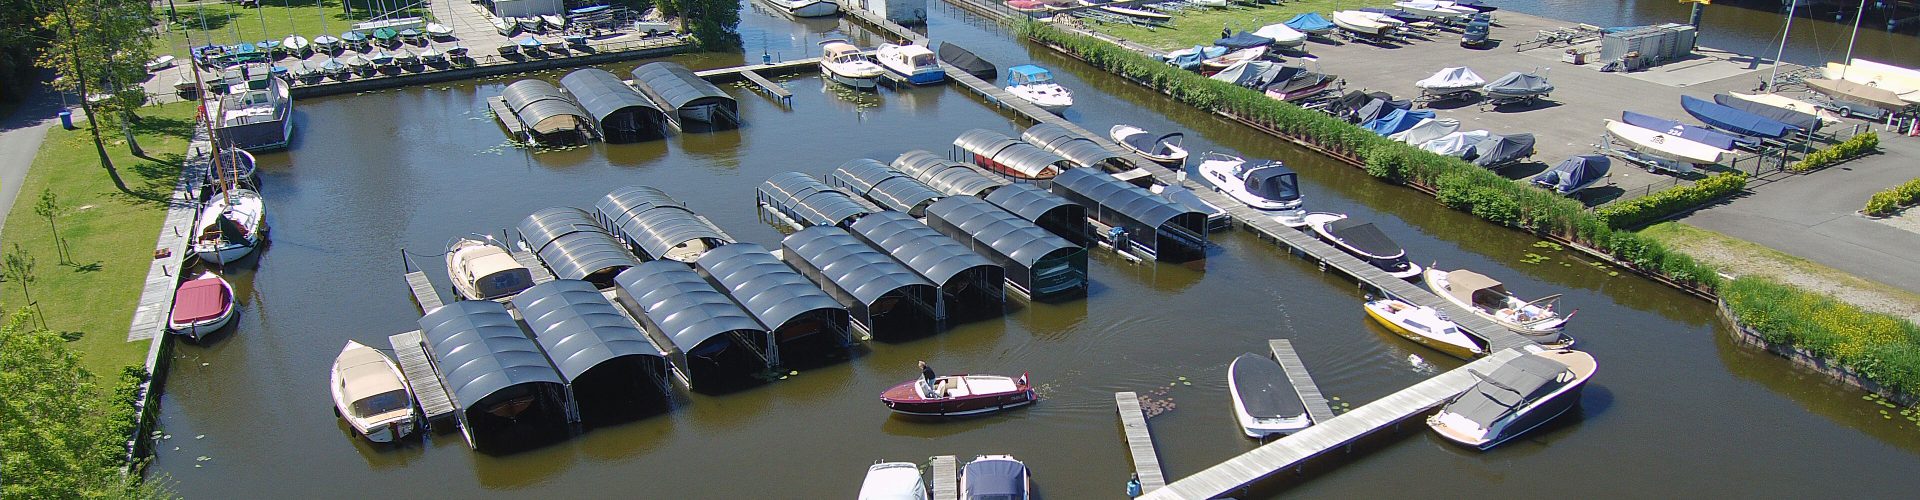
x=1238 y=472
x=757 y=75
x=539 y=270
x=410 y=349
x=946 y=477
x=1317 y=407
x=1133 y=422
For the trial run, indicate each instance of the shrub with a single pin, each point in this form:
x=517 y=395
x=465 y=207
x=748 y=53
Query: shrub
x=1645 y=209
x=1894 y=198
x=1880 y=347
x=1853 y=146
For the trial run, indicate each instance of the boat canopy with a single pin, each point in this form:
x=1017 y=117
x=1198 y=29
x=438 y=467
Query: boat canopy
x=673 y=86
x=676 y=303
x=1166 y=230
x=1570 y=175
x=1264 y=389
x=1017 y=245
x=1733 y=120
x=1273 y=181
x=1154 y=145
x=1452 y=79
x=891 y=189
x=1028 y=74
x=1519 y=84
x=992 y=149
x=1311 y=22
x=996 y=479
x=571 y=243
x=581 y=332
x=1079 y=150
x=1701 y=135
x=1427 y=130
x=1050 y=211
x=809 y=202
x=1804 y=120
x=1469 y=287
x=1510 y=388
x=953 y=178
x=657 y=224
x=934 y=256
x=1244 y=40
x=770 y=290
x=544 y=109
x=495 y=272
x=1365 y=237
x=860 y=277
x=1398 y=120
x=966 y=61
x=622 y=113
x=1502 y=149
x=480 y=350
x=1865 y=94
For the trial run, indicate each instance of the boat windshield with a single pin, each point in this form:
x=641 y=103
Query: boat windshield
x=1273 y=183
x=924 y=60
x=394 y=400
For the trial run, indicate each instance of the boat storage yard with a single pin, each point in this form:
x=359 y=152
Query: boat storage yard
x=730 y=261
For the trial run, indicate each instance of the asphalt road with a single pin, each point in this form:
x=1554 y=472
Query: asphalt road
x=20 y=136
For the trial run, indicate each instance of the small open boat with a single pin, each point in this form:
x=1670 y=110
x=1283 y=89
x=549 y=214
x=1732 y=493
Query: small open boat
x=370 y=394
x=893 y=481
x=995 y=477
x=1036 y=85
x=1574 y=174
x=1663 y=145
x=481 y=269
x=1490 y=299
x=230 y=226
x=1424 y=326
x=1163 y=149
x=201 y=306
x=1363 y=240
x=847 y=65
x=439 y=31
x=1366 y=23
x=1515 y=398
x=1264 y=402
x=959 y=395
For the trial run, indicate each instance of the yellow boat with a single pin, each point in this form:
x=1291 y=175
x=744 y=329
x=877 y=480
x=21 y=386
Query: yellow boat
x=1425 y=326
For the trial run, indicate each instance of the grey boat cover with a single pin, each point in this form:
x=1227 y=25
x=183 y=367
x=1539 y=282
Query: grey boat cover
x=1452 y=79
x=1126 y=200
x=1263 y=388
x=1365 y=238
x=1510 y=388
x=809 y=201
x=1456 y=144
x=654 y=221
x=1502 y=149
x=1573 y=173
x=1379 y=107
x=1243 y=40
x=1805 y=121
x=1152 y=145
x=891 y=189
x=1250 y=73
x=1427 y=130
x=995 y=479
x=1518 y=84
x=579 y=329
x=480 y=350
x=1005 y=233
x=966 y=61
x=685 y=307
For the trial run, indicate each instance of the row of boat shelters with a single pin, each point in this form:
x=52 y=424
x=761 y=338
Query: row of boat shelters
x=1051 y=212
x=1007 y=156
x=1153 y=226
x=549 y=117
x=709 y=334
x=1037 y=263
x=1083 y=152
x=889 y=188
x=502 y=386
x=880 y=293
x=970 y=285
x=798 y=312
x=610 y=369
x=693 y=100
x=808 y=202
x=945 y=175
x=621 y=113
x=657 y=225
x=575 y=246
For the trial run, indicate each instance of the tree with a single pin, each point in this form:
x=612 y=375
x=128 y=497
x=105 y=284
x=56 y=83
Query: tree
x=63 y=434
x=713 y=22
x=19 y=269
x=49 y=207
x=100 y=44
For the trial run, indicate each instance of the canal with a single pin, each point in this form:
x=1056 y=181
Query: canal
x=1676 y=409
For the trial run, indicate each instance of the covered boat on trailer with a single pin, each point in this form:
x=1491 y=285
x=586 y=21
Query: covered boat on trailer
x=1574 y=174
x=710 y=335
x=1799 y=114
x=610 y=369
x=882 y=296
x=1517 y=87
x=1734 y=120
x=1502 y=150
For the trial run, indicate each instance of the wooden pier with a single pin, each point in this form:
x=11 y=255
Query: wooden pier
x=1317 y=407
x=410 y=349
x=1146 y=461
x=946 y=477
x=424 y=295
x=508 y=119
x=172 y=248
x=1238 y=472
x=539 y=270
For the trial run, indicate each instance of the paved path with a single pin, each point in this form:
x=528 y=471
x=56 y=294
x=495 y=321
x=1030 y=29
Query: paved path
x=20 y=136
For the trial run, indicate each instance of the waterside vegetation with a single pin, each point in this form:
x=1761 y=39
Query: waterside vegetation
x=1880 y=347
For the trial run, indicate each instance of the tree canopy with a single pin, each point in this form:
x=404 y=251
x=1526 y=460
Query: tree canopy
x=61 y=434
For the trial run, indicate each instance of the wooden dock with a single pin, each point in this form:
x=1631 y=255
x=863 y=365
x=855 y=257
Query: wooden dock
x=539 y=270
x=1317 y=407
x=1146 y=461
x=946 y=477
x=172 y=248
x=410 y=349
x=507 y=119
x=1238 y=472
x=424 y=295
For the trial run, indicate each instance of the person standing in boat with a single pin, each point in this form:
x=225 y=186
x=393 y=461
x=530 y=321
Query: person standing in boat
x=926 y=372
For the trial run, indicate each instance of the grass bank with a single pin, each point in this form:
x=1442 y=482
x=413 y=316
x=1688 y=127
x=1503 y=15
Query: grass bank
x=1201 y=25
x=1745 y=258
x=1880 y=347
x=227 y=23
x=109 y=234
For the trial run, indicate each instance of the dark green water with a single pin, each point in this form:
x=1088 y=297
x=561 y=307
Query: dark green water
x=1675 y=410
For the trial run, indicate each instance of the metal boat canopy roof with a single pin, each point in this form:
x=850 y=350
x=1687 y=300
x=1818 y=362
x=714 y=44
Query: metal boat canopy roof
x=673 y=86
x=1050 y=211
x=618 y=109
x=676 y=303
x=480 y=350
x=944 y=175
x=655 y=222
x=810 y=202
x=855 y=274
x=573 y=245
x=891 y=189
x=1014 y=243
x=580 y=330
x=934 y=256
x=767 y=288
x=543 y=108
x=1079 y=150
x=1139 y=211
x=1013 y=154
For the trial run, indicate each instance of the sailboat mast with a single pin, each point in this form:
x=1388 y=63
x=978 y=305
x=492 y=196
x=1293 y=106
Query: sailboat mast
x=1784 y=32
x=1856 y=37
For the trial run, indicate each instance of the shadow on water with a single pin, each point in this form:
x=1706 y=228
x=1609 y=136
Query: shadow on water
x=1815 y=392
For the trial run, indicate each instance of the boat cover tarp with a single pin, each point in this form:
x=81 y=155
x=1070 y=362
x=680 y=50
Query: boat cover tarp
x=1289 y=79
x=1701 y=135
x=1281 y=34
x=1007 y=234
x=1574 y=172
x=845 y=263
x=1243 y=40
x=1865 y=94
x=1456 y=144
x=1311 y=22
x=1427 y=130
x=935 y=256
x=993 y=479
x=654 y=221
x=1452 y=79
x=1519 y=84
x=1191 y=58
x=1365 y=237
x=1131 y=202
x=572 y=244
x=685 y=308
x=1191 y=201
x=579 y=329
x=1249 y=73
x=1397 y=121
x=479 y=350
x=967 y=61
x=675 y=87
x=1263 y=388
x=1798 y=119
x=1529 y=379
x=1502 y=149
x=1154 y=145
x=809 y=201
x=767 y=288
x=1273 y=181
x=1379 y=107
x=1031 y=203
x=1733 y=120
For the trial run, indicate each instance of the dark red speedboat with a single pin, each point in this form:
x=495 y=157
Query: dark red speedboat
x=957 y=395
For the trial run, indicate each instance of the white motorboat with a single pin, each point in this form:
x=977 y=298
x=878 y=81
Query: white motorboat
x=1490 y=299
x=1264 y=402
x=848 y=65
x=1663 y=145
x=1216 y=64
x=1363 y=240
x=439 y=31
x=159 y=63
x=893 y=481
x=915 y=63
x=481 y=269
x=1267 y=186
x=1035 y=84
x=1424 y=326
x=1517 y=397
x=231 y=225
x=370 y=394
x=1441 y=10
x=995 y=477
x=201 y=306
x=1162 y=149
x=1366 y=23
x=807 y=8
x=296 y=45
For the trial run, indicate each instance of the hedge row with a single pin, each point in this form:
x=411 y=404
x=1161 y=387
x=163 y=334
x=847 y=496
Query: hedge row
x=1456 y=183
x=1645 y=209
x=1894 y=198
x=1883 y=348
x=1853 y=146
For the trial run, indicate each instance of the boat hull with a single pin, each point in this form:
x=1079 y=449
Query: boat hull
x=202 y=329
x=1539 y=414
x=811 y=9
x=906 y=399
x=1450 y=349
x=857 y=82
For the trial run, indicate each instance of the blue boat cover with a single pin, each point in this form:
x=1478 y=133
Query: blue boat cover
x=1701 y=135
x=1191 y=58
x=1310 y=22
x=1734 y=120
x=1573 y=173
x=1243 y=40
x=1398 y=120
x=1806 y=121
x=996 y=478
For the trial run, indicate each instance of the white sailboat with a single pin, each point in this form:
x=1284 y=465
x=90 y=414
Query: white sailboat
x=231 y=225
x=1663 y=145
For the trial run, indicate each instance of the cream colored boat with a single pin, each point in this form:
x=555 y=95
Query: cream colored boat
x=370 y=394
x=1490 y=299
x=1424 y=326
x=483 y=270
x=1517 y=397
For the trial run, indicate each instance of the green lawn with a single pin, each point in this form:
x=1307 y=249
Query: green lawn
x=109 y=234
x=1201 y=25
x=227 y=23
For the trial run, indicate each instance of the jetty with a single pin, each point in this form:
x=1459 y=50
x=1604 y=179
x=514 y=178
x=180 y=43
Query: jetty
x=1133 y=423
x=1289 y=452
x=1317 y=408
x=410 y=349
x=758 y=75
x=946 y=477
x=527 y=258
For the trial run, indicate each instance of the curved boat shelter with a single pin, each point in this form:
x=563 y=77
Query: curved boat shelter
x=610 y=368
x=507 y=393
x=686 y=98
x=710 y=335
x=550 y=117
x=1037 y=263
x=1082 y=151
x=808 y=202
x=1007 y=156
x=782 y=300
x=970 y=285
x=622 y=114
x=659 y=226
x=574 y=246
x=1154 y=226
x=889 y=188
x=883 y=296
x=1049 y=211
x=945 y=175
